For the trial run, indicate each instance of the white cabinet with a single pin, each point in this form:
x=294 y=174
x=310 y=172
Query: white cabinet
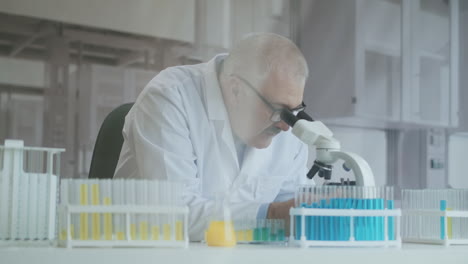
x=463 y=62
x=259 y=16
x=362 y=56
x=430 y=66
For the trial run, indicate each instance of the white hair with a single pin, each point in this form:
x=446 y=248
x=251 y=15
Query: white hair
x=258 y=55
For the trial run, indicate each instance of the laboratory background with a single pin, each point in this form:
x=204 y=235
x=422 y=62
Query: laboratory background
x=388 y=77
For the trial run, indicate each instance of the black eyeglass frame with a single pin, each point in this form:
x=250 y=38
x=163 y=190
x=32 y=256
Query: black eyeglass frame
x=276 y=112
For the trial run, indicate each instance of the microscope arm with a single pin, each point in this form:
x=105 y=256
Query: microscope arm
x=361 y=169
x=315 y=133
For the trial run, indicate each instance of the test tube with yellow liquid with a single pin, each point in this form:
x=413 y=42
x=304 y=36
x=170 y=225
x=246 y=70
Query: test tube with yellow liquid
x=142 y=199
x=64 y=199
x=130 y=199
x=177 y=202
x=118 y=198
x=83 y=216
x=153 y=194
x=107 y=201
x=96 y=218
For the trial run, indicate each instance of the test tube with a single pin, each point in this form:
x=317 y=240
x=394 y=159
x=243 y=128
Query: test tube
x=390 y=206
x=118 y=198
x=83 y=216
x=154 y=194
x=96 y=218
x=281 y=230
x=166 y=225
x=64 y=200
x=249 y=233
x=239 y=230
x=179 y=225
x=73 y=190
x=107 y=201
x=130 y=200
x=141 y=193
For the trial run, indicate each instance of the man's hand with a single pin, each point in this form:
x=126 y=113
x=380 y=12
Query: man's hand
x=280 y=210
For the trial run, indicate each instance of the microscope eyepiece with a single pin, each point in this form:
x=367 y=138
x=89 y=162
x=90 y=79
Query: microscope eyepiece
x=304 y=115
x=288 y=117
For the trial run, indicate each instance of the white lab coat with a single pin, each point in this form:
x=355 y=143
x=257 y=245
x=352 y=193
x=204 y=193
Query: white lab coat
x=179 y=129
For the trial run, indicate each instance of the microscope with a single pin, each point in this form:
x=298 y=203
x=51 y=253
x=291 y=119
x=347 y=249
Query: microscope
x=315 y=133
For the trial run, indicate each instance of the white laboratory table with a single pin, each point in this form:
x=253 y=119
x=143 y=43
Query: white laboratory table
x=259 y=254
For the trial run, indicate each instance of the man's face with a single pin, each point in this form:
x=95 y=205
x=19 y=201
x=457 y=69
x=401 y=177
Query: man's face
x=252 y=119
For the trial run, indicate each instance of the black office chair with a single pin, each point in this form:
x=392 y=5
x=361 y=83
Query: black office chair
x=108 y=144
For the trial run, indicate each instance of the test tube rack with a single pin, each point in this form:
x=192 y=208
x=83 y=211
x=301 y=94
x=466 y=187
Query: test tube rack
x=435 y=216
x=128 y=236
x=344 y=216
x=28 y=194
x=122 y=213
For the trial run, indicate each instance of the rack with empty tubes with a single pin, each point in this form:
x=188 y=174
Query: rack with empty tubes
x=28 y=194
x=435 y=216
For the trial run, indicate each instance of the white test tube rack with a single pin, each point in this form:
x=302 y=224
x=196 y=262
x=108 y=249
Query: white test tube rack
x=352 y=214
x=127 y=211
x=28 y=194
x=435 y=216
x=445 y=239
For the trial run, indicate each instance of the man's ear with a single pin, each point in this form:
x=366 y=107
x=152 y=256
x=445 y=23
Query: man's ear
x=235 y=89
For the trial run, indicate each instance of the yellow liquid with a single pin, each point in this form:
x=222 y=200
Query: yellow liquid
x=249 y=235
x=95 y=216
x=107 y=221
x=179 y=231
x=120 y=236
x=240 y=235
x=221 y=234
x=84 y=216
x=144 y=231
x=133 y=231
x=63 y=233
x=155 y=232
x=72 y=231
x=167 y=232
x=449 y=225
x=96 y=226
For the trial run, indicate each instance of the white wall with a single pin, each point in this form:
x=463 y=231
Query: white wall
x=172 y=19
x=463 y=82
x=457 y=156
x=368 y=143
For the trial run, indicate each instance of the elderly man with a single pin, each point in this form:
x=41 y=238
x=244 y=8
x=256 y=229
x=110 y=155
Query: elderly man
x=216 y=127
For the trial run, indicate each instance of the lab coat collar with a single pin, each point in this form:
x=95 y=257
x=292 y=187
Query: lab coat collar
x=214 y=98
x=215 y=106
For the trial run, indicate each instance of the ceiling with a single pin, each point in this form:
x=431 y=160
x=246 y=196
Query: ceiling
x=27 y=38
